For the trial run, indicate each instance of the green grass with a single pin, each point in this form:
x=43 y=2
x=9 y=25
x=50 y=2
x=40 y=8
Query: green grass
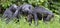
x=24 y=24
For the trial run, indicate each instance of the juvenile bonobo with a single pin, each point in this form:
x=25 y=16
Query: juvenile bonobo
x=9 y=12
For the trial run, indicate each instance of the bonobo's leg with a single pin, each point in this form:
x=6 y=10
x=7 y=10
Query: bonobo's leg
x=35 y=18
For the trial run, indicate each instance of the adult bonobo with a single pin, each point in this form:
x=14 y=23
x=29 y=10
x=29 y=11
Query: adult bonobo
x=39 y=13
x=25 y=9
x=9 y=12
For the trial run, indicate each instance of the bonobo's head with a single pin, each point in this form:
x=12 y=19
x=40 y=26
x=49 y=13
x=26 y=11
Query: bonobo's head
x=13 y=7
x=27 y=8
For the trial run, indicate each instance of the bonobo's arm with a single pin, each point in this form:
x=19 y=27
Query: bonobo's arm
x=17 y=12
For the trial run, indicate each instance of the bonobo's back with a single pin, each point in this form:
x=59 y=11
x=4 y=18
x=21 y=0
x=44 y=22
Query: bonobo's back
x=42 y=10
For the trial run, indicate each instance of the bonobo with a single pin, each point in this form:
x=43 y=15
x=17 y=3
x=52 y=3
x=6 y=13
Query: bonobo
x=39 y=13
x=25 y=9
x=9 y=12
x=47 y=15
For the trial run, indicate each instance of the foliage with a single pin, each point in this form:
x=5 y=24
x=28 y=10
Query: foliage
x=5 y=3
x=55 y=6
x=23 y=24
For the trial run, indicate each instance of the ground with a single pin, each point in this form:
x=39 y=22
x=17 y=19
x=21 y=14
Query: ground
x=24 y=24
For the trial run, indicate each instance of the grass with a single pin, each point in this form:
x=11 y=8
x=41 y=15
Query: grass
x=24 y=24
